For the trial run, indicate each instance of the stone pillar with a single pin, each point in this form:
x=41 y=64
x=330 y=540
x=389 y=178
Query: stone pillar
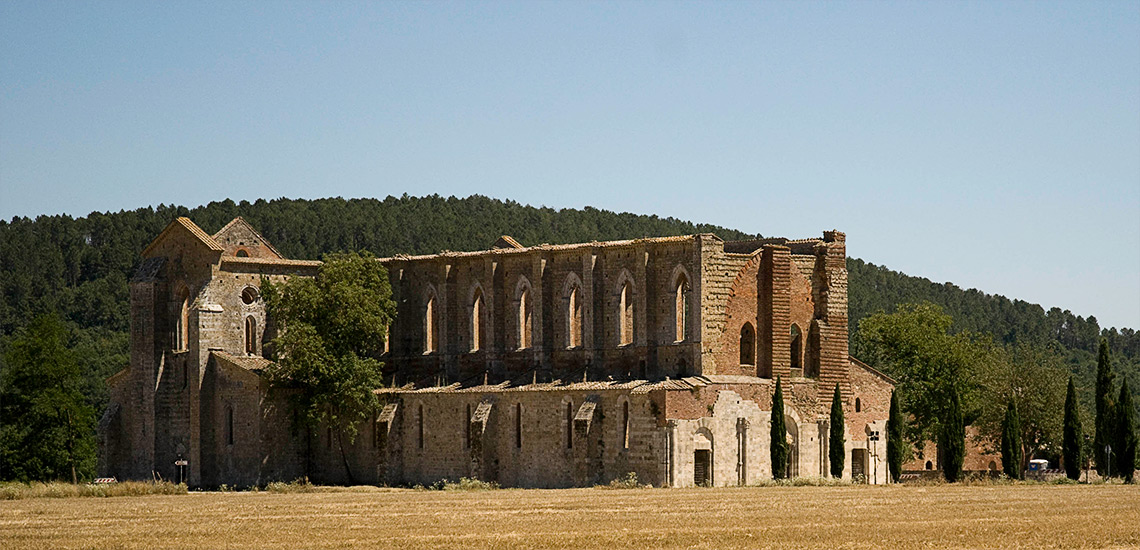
x=773 y=309
x=829 y=292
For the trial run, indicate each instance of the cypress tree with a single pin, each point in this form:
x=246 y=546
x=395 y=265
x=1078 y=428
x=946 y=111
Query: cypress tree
x=952 y=446
x=1125 y=447
x=1104 y=409
x=896 y=439
x=1011 y=442
x=779 y=445
x=1071 y=443
x=835 y=442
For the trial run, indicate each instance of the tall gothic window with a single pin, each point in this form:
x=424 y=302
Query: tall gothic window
x=625 y=314
x=625 y=425
x=524 y=329
x=797 y=348
x=250 y=335
x=681 y=308
x=430 y=339
x=477 y=320
x=574 y=318
x=229 y=425
x=182 y=322
x=570 y=425
x=747 y=345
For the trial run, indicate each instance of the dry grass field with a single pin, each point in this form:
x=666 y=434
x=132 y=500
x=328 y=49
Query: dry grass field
x=1024 y=516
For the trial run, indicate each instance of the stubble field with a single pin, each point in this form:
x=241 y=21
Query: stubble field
x=1026 y=516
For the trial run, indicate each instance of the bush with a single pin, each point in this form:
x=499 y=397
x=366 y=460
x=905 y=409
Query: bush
x=468 y=484
x=628 y=481
x=55 y=489
x=296 y=486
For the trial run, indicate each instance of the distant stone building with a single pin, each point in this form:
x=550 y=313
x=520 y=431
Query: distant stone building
x=542 y=366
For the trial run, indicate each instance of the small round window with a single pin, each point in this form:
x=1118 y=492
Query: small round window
x=249 y=295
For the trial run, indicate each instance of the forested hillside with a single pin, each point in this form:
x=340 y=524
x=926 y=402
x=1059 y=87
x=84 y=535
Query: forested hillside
x=79 y=267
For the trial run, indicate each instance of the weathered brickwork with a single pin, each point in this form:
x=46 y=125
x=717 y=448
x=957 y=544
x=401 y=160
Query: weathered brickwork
x=547 y=366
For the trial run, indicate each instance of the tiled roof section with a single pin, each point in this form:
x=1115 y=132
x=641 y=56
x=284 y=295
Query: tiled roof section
x=241 y=221
x=506 y=241
x=187 y=225
x=148 y=270
x=250 y=363
x=633 y=386
x=551 y=248
x=271 y=261
x=870 y=369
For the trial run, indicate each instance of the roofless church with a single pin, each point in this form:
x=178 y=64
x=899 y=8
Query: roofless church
x=541 y=366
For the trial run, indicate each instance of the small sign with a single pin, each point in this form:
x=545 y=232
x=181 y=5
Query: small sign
x=181 y=463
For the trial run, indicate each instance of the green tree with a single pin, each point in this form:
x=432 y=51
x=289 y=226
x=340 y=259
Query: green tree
x=1073 y=445
x=48 y=430
x=952 y=440
x=779 y=446
x=1105 y=407
x=1031 y=377
x=334 y=326
x=896 y=439
x=1011 y=455
x=1125 y=446
x=836 y=441
x=914 y=346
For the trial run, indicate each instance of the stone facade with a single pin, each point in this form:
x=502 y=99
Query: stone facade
x=543 y=366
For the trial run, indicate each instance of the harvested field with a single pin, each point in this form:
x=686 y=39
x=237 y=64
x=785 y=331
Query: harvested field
x=1015 y=516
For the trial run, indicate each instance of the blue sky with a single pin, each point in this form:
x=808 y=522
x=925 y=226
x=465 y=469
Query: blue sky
x=992 y=144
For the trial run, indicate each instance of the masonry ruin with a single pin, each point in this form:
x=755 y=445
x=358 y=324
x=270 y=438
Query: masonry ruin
x=541 y=366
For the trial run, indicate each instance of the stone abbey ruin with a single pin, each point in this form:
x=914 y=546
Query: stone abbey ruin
x=542 y=366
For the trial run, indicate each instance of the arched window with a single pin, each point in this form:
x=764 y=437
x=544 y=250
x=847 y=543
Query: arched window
x=797 y=348
x=229 y=425
x=523 y=327
x=747 y=344
x=625 y=314
x=242 y=253
x=858 y=405
x=574 y=318
x=182 y=322
x=477 y=320
x=430 y=340
x=929 y=465
x=681 y=307
x=811 y=368
x=518 y=425
x=569 y=425
x=625 y=425
x=250 y=335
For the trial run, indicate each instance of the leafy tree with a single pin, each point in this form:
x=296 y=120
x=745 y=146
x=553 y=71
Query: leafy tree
x=1073 y=444
x=1125 y=434
x=779 y=446
x=333 y=333
x=1105 y=407
x=1032 y=378
x=835 y=443
x=914 y=346
x=48 y=432
x=952 y=440
x=1011 y=457
x=897 y=446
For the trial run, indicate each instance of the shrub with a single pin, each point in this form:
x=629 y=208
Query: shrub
x=628 y=481
x=301 y=485
x=55 y=489
x=469 y=484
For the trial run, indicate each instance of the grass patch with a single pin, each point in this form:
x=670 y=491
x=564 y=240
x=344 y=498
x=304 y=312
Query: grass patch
x=628 y=481
x=57 y=489
x=295 y=486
